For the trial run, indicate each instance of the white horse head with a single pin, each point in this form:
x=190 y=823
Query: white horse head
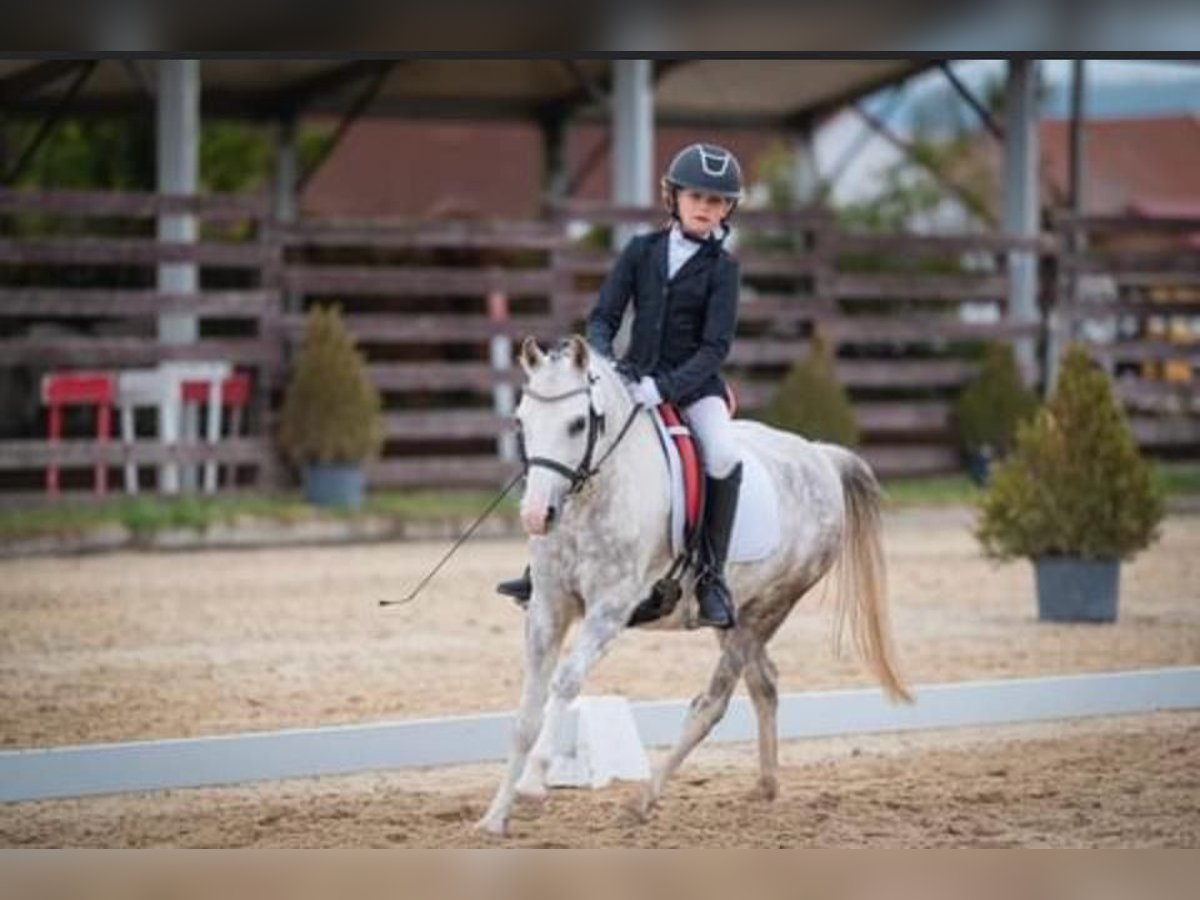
x=561 y=418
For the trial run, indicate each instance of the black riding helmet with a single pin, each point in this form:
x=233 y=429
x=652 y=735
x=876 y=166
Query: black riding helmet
x=703 y=167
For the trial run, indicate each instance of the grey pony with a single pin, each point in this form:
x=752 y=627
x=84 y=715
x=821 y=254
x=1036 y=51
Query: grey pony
x=596 y=552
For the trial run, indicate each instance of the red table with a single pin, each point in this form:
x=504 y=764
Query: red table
x=61 y=389
x=234 y=395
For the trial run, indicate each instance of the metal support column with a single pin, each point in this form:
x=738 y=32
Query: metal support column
x=178 y=173
x=1057 y=334
x=806 y=176
x=284 y=198
x=633 y=132
x=632 y=153
x=554 y=160
x=286 y=170
x=1022 y=203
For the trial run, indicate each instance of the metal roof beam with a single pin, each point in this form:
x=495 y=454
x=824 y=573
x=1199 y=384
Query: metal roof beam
x=33 y=78
x=49 y=123
x=291 y=98
x=965 y=92
x=352 y=114
x=963 y=194
x=817 y=112
x=590 y=88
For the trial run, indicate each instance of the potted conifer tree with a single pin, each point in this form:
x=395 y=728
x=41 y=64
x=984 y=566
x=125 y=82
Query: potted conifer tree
x=1075 y=496
x=811 y=402
x=331 y=421
x=989 y=409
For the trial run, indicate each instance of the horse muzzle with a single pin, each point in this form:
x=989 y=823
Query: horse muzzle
x=539 y=521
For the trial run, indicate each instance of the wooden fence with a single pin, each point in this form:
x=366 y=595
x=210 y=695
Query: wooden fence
x=1129 y=287
x=427 y=302
x=905 y=317
x=438 y=306
x=78 y=291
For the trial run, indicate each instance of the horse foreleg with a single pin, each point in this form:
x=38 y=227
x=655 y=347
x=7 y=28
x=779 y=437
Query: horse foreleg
x=761 y=682
x=705 y=712
x=545 y=628
x=601 y=625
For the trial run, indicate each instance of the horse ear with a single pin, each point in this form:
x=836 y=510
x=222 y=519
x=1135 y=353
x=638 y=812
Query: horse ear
x=531 y=355
x=579 y=352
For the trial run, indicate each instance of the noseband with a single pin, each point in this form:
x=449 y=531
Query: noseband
x=582 y=473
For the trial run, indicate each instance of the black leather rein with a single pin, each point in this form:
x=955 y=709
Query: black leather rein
x=581 y=474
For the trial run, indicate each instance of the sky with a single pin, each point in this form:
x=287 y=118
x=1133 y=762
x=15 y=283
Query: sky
x=1114 y=88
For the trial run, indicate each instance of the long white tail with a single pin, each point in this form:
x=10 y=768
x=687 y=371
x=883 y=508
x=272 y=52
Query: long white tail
x=862 y=579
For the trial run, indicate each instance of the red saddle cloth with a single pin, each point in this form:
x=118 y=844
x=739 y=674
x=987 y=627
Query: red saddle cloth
x=689 y=458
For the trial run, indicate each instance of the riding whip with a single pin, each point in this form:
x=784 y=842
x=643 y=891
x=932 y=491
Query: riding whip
x=462 y=539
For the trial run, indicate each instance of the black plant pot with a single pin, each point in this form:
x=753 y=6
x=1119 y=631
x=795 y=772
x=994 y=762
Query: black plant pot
x=340 y=485
x=979 y=464
x=979 y=461
x=1077 y=590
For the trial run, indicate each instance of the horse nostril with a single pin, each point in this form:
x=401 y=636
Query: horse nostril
x=550 y=514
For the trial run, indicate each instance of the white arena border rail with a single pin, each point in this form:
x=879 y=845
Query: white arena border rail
x=297 y=753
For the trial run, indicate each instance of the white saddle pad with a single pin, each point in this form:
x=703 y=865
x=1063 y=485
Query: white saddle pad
x=756 y=531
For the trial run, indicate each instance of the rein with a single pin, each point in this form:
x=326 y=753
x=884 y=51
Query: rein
x=583 y=473
x=578 y=476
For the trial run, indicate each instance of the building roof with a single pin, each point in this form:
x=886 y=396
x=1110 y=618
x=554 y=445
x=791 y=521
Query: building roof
x=1143 y=166
x=480 y=169
x=687 y=91
x=1147 y=165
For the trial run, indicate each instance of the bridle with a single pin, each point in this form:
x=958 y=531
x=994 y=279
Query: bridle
x=582 y=473
x=578 y=477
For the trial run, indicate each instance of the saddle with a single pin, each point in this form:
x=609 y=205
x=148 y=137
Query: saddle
x=756 y=530
x=686 y=483
x=686 y=467
x=685 y=462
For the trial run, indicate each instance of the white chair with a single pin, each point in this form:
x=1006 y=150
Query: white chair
x=162 y=389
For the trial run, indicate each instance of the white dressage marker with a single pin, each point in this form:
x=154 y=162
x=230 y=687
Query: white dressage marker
x=599 y=743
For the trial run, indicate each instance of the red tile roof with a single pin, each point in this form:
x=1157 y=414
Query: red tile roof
x=1131 y=164
x=392 y=167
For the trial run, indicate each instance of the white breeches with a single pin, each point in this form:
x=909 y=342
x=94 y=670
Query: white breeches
x=713 y=427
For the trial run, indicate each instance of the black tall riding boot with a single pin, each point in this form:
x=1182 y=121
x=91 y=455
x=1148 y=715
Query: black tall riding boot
x=519 y=588
x=712 y=593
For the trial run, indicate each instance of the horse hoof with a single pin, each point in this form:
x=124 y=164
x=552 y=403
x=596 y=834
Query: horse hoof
x=532 y=792
x=640 y=807
x=492 y=825
x=764 y=792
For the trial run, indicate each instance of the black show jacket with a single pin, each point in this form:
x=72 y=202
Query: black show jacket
x=682 y=327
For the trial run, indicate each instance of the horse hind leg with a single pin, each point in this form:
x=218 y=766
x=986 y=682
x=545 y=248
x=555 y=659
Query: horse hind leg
x=761 y=679
x=761 y=682
x=706 y=710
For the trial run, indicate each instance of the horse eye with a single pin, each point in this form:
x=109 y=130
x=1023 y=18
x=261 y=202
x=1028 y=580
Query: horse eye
x=576 y=426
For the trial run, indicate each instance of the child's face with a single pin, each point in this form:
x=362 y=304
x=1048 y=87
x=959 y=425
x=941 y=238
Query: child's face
x=700 y=213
